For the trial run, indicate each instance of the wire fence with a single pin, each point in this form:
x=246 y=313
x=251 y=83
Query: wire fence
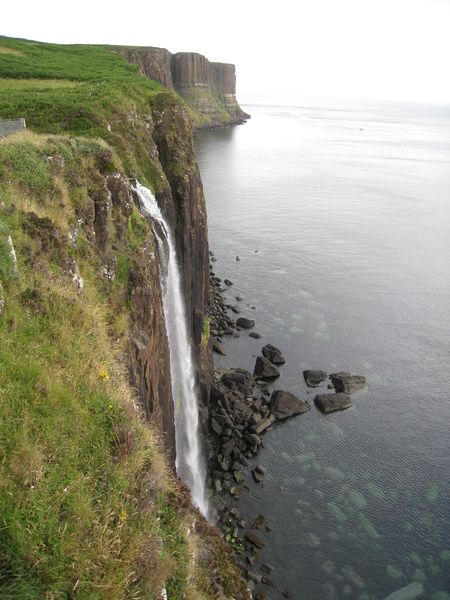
x=11 y=126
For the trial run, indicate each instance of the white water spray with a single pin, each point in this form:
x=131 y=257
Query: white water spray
x=189 y=462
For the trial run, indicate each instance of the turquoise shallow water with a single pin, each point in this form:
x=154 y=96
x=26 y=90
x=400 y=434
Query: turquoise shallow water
x=340 y=214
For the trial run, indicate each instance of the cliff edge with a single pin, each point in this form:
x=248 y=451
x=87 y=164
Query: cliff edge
x=208 y=88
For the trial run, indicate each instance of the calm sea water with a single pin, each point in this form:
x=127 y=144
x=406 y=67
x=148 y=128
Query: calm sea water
x=340 y=213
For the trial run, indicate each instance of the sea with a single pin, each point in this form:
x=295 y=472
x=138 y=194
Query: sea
x=339 y=213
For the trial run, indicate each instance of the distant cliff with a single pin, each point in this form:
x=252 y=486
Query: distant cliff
x=208 y=88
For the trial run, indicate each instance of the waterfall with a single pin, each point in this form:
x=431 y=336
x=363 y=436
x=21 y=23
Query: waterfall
x=189 y=462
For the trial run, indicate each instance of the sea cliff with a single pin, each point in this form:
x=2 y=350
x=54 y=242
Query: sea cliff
x=208 y=88
x=87 y=490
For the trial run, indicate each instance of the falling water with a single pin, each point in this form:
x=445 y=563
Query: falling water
x=189 y=462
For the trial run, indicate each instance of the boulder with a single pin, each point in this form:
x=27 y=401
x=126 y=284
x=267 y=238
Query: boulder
x=347 y=382
x=261 y=426
x=217 y=347
x=254 y=539
x=273 y=354
x=254 y=335
x=264 y=369
x=313 y=377
x=245 y=323
x=284 y=405
x=331 y=402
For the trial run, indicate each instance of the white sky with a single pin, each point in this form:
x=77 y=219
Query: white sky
x=395 y=49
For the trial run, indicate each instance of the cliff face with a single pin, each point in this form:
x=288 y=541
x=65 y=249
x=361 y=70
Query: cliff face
x=167 y=136
x=209 y=89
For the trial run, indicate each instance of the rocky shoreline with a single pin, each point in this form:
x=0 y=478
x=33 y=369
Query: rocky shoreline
x=241 y=412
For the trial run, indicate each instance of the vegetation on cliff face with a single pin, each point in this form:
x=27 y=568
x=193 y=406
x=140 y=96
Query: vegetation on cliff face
x=88 y=505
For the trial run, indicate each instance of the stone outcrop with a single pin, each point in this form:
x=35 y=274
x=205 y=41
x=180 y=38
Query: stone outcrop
x=207 y=87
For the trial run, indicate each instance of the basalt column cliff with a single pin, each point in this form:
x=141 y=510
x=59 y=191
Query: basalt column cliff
x=208 y=88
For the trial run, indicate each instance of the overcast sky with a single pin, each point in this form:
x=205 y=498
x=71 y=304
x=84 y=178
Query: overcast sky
x=397 y=49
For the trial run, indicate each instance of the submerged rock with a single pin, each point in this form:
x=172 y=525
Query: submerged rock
x=284 y=405
x=313 y=378
x=409 y=592
x=346 y=382
x=331 y=402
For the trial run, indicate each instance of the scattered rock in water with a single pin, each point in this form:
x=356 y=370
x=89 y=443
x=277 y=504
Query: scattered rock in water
x=257 y=476
x=238 y=298
x=264 y=369
x=255 y=335
x=331 y=402
x=227 y=282
x=409 y=592
x=236 y=309
x=329 y=592
x=314 y=378
x=347 y=382
x=255 y=540
x=267 y=568
x=217 y=347
x=394 y=572
x=245 y=323
x=260 y=520
x=252 y=576
x=284 y=405
x=273 y=354
x=238 y=258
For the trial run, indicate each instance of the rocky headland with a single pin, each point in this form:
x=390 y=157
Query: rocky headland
x=208 y=88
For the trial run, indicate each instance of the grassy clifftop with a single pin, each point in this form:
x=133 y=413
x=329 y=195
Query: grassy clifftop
x=89 y=508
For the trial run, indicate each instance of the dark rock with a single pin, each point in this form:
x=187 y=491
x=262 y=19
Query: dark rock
x=227 y=282
x=346 y=382
x=219 y=348
x=264 y=369
x=261 y=470
x=274 y=355
x=256 y=577
x=216 y=427
x=313 y=377
x=287 y=595
x=254 y=540
x=257 y=476
x=267 y=568
x=267 y=581
x=245 y=323
x=254 y=335
x=253 y=559
x=331 y=402
x=260 y=520
x=261 y=426
x=238 y=298
x=236 y=309
x=284 y=405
